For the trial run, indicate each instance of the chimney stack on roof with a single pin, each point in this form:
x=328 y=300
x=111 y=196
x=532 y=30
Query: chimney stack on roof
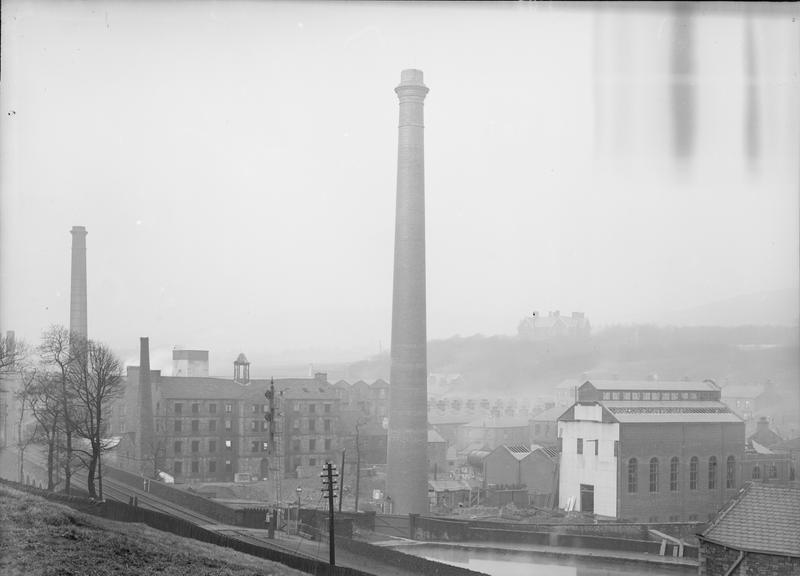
x=146 y=433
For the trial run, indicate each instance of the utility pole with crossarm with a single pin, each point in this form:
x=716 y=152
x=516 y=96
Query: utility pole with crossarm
x=329 y=476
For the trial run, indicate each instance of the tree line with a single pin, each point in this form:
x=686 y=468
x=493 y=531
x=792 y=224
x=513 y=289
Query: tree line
x=64 y=388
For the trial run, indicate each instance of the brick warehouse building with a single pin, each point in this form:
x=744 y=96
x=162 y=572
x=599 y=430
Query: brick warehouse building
x=210 y=429
x=650 y=451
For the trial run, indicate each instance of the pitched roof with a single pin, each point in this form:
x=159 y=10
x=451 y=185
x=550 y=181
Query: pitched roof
x=670 y=411
x=662 y=385
x=206 y=388
x=761 y=518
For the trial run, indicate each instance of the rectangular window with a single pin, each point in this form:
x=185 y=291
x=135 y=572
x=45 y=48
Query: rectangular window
x=616 y=448
x=296 y=408
x=254 y=446
x=674 y=396
x=212 y=408
x=265 y=446
x=195 y=408
x=178 y=447
x=212 y=446
x=657 y=396
x=228 y=466
x=312 y=445
x=296 y=424
x=265 y=408
x=228 y=445
x=212 y=466
x=195 y=446
x=228 y=408
x=312 y=408
x=645 y=395
x=177 y=467
x=295 y=445
x=263 y=425
x=626 y=395
x=636 y=396
x=327 y=425
x=228 y=426
x=692 y=517
x=327 y=408
x=254 y=408
x=212 y=425
x=254 y=426
x=312 y=461
x=327 y=444
x=606 y=395
x=693 y=396
x=195 y=466
x=178 y=408
x=580 y=445
x=195 y=425
x=177 y=425
x=312 y=425
x=596 y=447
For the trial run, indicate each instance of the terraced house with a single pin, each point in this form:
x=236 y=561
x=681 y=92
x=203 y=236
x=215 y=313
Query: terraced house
x=650 y=451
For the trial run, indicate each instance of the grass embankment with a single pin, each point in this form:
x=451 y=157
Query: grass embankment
x=39 y=537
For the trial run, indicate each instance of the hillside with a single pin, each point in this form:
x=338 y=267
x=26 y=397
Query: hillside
x=38 y=537
x=512 y=366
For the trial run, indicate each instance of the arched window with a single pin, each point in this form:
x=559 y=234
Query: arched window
x=756 y=472
x=730 y=472
x=712 y=473
x=693 y=464
x=773 y=470
x=633 y=475
x=674 y=464
x=653 y=474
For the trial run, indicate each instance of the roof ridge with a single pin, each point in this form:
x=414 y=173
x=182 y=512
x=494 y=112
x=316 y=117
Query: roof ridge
x=730 y=506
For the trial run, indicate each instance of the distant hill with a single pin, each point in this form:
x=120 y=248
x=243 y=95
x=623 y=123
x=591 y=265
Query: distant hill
x=776 y=308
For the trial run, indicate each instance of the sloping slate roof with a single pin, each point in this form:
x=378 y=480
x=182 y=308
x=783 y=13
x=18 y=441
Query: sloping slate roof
x=761 y=518
x=657 y=385
x=197 y=388
x=670 y=411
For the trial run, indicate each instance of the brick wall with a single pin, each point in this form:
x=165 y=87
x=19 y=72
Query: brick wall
x=716 y=560
x=664 y=441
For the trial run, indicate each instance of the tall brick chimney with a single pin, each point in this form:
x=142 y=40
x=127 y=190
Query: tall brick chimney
x=407 y=462
x=77 y=295
x=146 y=437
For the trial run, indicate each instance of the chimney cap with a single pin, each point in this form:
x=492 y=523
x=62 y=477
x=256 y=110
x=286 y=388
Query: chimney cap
x=78 y=230
x=411 y=76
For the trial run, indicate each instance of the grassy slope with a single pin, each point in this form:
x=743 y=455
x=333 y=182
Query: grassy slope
x=39 y=537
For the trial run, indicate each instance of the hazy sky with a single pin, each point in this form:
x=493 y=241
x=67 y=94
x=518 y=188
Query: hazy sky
x=235 y=165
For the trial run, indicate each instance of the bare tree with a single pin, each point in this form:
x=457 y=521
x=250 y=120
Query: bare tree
x=11 y=352
x=96 y=381
x=43 y=396
x=25 y=435
x=57 y=351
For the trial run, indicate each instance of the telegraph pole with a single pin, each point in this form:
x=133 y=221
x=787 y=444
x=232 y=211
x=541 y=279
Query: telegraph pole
x=329 y=475
x=341 y=483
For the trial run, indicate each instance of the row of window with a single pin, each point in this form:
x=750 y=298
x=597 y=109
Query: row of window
x=177 y=446
x=177 y=467
x=297 y=445
x=212 y=408
x=177 y=425
x=659 y=396
x=254 y=408
x=312 y=425
x=674 y=474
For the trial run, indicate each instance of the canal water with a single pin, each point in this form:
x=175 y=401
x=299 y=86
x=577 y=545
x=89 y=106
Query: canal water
x=521 y=563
